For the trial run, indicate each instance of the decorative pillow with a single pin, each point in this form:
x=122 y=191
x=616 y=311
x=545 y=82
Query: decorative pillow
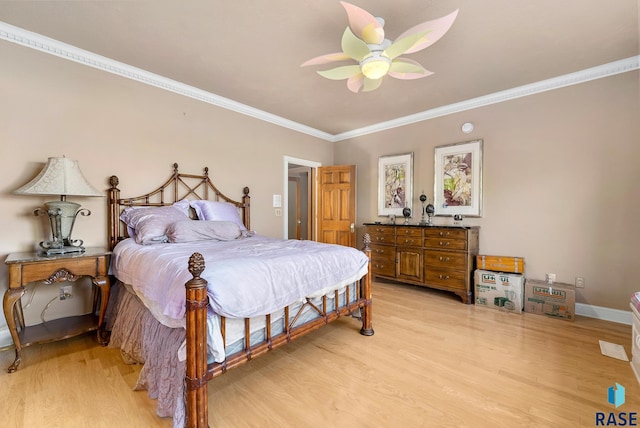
x=149 y=224
x=190 y=230
x=217 y=211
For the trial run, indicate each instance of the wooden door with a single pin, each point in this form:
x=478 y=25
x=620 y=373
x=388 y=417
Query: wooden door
x=337 y=205
x=294 y=214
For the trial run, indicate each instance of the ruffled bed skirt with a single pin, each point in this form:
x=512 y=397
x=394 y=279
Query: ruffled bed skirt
x=143 y=340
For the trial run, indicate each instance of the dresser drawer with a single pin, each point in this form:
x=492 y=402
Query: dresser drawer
x=383 y=267
x=445 y=243
x=446 y=278
x=452 y=233
x=409 y=236
x=381 y=229
x=409 y=232
x=382 y=234
x=382 y=253
x=409 y=241
x=445 y=260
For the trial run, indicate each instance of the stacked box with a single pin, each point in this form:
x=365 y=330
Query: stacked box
x=500 y=263
x=503 y=291
x=555 y=300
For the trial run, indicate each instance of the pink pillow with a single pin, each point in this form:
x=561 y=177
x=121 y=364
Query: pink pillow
x=149 y=224
x=217 y=211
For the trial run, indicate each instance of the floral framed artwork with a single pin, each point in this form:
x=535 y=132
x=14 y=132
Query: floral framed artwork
x=395 y=184
x=458 y=179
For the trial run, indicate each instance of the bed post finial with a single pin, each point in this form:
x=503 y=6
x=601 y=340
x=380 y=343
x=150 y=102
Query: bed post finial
x=206 y=171
x=113 y=181
x=175 y=168
x=366 y=240
x=196 y=265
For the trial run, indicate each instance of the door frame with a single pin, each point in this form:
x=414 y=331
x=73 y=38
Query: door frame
x=285 y=196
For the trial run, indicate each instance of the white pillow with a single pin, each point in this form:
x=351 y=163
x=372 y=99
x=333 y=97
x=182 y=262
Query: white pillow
x=148 y=225
x=217 y=211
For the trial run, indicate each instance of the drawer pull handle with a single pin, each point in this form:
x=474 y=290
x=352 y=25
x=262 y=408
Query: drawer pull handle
x=444 y=244
x=444 y=233
x=444 y=259
x=444 y=276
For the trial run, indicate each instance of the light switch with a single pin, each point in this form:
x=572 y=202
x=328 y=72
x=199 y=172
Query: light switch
x=277 y=201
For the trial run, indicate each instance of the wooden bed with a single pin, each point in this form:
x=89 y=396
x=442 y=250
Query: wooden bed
x=198 y=370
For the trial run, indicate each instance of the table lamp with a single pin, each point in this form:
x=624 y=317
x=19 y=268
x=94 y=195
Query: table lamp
x=61 y=177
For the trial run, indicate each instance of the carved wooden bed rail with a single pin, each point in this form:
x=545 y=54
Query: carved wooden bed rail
x=199 y=372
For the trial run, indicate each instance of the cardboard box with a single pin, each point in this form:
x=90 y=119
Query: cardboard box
x=555 y=300
x=503 y=291
x=500 y=263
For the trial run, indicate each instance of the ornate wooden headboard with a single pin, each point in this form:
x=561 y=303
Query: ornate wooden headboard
x=177 y=187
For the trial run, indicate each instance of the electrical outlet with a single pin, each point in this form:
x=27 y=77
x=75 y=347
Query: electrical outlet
x=278 y=212
x=579 y=282
x=66 y=292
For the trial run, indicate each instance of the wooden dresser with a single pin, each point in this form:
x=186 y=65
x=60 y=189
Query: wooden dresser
x=440 y=257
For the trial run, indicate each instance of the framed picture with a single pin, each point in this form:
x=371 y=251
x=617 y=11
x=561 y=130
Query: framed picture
x=458 y=179
x=395 y=184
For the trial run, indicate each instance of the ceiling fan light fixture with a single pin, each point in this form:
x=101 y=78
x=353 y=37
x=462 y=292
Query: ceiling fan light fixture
x=364 y=42
x=375 y=66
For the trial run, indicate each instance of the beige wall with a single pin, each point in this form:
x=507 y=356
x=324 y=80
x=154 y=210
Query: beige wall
x=560 y=168
x=560 y=181
x=111 y=125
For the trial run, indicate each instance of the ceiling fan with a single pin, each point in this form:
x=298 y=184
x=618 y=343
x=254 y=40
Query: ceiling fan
x=364 y=41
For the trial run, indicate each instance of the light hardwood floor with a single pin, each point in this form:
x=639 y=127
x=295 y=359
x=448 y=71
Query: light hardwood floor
x=433 y=362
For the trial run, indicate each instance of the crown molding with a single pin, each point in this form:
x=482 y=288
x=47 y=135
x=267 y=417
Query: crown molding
x=51 y=46
x=598 y=72
x=57 y=48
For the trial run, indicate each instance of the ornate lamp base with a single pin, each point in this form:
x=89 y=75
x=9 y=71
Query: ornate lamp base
x=62 y=250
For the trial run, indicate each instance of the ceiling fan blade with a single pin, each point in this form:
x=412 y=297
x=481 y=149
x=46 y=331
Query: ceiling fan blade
x=402 y=45
x=405 y=65
x=325 y=59
x=353 y=46
x=363 y=24
x=407 y=69
x=371 y=84
x=435 y=29
x=355 y=83
x=340 y=73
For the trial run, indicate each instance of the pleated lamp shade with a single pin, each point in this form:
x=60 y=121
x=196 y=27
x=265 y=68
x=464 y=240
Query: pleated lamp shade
x=60 y=176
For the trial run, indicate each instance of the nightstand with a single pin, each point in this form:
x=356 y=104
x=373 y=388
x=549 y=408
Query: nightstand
x=31 y=266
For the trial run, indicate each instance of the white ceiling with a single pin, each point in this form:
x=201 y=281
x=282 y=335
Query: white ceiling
x=250 y=51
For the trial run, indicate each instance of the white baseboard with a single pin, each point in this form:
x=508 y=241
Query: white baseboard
x=602 y=313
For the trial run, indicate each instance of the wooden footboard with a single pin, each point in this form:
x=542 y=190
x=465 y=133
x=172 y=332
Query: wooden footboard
x=199 y=372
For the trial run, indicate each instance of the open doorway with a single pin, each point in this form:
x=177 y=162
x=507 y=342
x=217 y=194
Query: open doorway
x=299 y=198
